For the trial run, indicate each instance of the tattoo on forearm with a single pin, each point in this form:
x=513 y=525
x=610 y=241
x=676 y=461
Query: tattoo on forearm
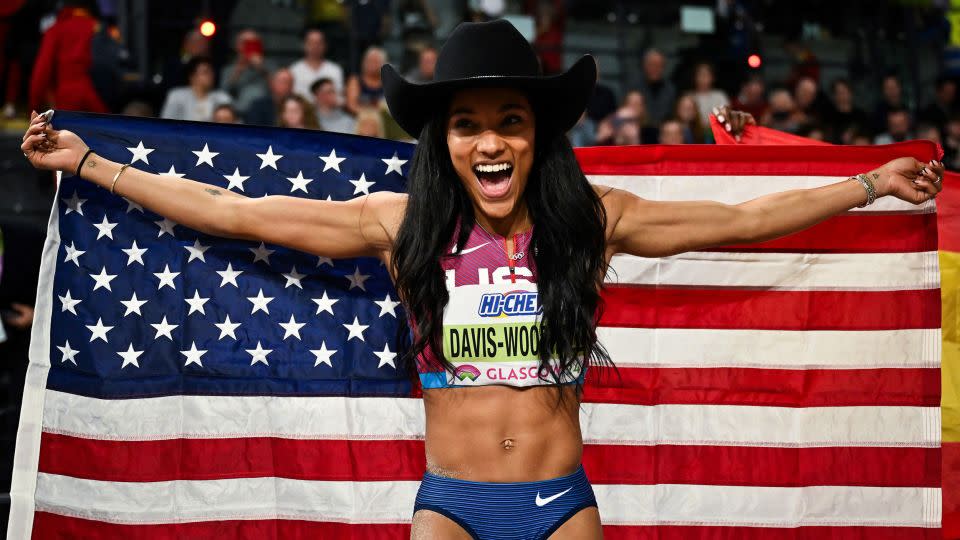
x=213 y=191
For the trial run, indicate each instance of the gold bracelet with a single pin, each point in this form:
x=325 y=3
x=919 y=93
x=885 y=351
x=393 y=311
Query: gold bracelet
x=117 y=176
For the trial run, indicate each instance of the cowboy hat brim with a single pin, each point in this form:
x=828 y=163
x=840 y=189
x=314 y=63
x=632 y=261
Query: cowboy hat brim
x=560 y=99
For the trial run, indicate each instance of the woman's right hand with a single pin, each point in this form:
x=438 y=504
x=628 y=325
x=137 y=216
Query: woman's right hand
x=51 y=149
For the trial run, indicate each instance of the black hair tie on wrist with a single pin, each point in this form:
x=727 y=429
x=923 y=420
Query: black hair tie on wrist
x=80 y=166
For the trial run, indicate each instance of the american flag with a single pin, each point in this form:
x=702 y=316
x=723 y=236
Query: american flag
x=185 y=386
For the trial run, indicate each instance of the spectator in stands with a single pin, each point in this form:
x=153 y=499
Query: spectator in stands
x=842 y=116
x=314 y=64
x=671 y=132
x=263 y=111
x=175 y=70
x=811 y=130
x=704 y=94
x=805 y=63
x=61 y=73
x=369 y=22
x=943 y=105
x=246 y=78
x=584 y=133
x=330 y=114
x=370 y=123
x=366 y=89
x=426 y=63
x=198 y=100
x=417 y=25
x=892 y=98
x=928 y=131
x=658 y=92
x=809 y=100
x=695 y=131
x=951 y=142
x=898 y=127
x=602 y=103
x=297 y=112
x=225 y=114
x=138 y=108
x=752 y=97
x=550 y=17
x=782 y=114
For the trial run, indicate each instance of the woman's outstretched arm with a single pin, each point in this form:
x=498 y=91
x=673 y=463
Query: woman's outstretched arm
x=359 y=227
x=661 y=228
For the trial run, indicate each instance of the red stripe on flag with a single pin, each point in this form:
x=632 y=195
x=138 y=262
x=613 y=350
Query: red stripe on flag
x=669 y=307
x=918 y=387
x=666 y=532
x=762 y=466
x=48 y=525
x=245 y=457
x=208 y=459
x=746 y=160
x=856 y=233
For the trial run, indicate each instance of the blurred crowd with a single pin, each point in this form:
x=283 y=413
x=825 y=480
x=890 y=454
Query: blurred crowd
x=345 y=95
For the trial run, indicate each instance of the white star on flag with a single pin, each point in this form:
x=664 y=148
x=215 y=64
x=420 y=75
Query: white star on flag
x=356 y=330
x=325 y=304
x=321 y=260
x=99 y=330
x=132 y=206
x=164 y=328
x=260 y=302
x=332 y=161
x=166 y=226
x=105 y=228
x=227 y=328
x=269 y=159
x=259 y=355
x=394 y=164
x=229 y=276
x=262 y=253
x=193 y=355
x=172 y=172
x=387 y=305
x=293 y=278
x=130 y=357
x=103 y=279
x=73 y=254
x=69 y=303
x=74 y=204
x=166 y=277
x=133 y=305
x=134 y=253
x=292 y=328
x=196 y=250
x=68 y=353
x=140 y=153
x=361 y=185
x=357 y=279
x=299 y=183
x=205 y=156
x=236 y=179
x=196 y=303
x=323 y=355
x=386 y=357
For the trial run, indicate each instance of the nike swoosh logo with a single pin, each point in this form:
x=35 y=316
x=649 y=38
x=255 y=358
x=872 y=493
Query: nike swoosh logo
x=471 y=250
x=548 y=500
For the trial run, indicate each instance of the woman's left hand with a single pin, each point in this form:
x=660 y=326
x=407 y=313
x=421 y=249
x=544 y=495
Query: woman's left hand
x=908 y=179
x=733 y=121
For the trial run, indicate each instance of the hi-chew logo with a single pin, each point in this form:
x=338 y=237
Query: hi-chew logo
x=509 y=304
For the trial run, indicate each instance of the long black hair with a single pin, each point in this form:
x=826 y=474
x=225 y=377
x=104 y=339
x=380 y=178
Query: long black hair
x=568 y=245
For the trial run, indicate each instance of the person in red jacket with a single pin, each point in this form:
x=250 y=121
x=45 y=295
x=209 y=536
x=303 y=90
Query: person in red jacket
x=61 y=74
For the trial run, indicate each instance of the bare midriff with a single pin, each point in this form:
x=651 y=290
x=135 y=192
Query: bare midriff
x=499 y=433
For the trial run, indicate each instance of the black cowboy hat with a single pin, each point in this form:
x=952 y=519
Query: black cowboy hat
x=491 y=54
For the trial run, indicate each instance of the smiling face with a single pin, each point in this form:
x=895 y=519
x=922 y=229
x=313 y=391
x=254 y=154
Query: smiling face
x=490 y=136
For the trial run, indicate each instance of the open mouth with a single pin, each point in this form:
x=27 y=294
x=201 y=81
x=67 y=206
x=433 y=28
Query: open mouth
x=494 y=178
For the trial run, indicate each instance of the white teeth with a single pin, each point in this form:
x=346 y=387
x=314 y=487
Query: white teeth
x=494 y=168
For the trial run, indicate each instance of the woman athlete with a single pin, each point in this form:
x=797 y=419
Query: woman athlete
x=500 y=237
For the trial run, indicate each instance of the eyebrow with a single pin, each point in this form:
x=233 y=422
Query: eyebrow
x=503 y=108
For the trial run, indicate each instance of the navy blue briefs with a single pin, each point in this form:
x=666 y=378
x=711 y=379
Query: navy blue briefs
x=507 y=510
